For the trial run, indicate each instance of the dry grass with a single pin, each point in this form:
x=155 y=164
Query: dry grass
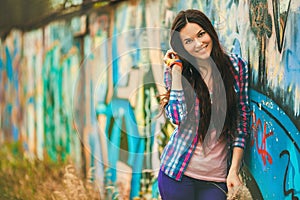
x=240 y=193
x=22 y=178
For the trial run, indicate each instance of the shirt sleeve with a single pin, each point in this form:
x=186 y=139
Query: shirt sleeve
x=175 y=110
x=243 y=104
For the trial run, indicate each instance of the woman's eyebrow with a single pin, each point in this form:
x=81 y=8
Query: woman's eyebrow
x=201 y=30
x=188 y=37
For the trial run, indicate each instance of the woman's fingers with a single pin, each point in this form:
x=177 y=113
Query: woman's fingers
x=170 y=54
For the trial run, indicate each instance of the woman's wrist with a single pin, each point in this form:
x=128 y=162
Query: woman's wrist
x=234 y=170
x=177 y=68
x=176 y=78
x=237 y=156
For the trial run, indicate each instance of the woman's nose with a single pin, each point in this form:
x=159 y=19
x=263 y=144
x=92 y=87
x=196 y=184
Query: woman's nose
x=198 y=42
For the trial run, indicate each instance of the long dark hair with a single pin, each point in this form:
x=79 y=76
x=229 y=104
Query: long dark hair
x=222 y=75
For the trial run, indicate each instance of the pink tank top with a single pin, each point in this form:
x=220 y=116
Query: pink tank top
x=211 y=164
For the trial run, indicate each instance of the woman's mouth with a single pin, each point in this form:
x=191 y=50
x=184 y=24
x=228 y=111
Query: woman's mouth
x=201 y=49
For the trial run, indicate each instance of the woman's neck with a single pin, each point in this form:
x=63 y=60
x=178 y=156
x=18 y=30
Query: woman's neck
x=205 y=67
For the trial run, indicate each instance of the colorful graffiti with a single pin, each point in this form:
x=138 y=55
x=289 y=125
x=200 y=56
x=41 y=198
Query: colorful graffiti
x=261 y=149
x=86 y=88
x=275 y=148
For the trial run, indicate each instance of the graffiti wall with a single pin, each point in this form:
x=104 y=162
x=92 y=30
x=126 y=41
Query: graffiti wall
x=86 y=88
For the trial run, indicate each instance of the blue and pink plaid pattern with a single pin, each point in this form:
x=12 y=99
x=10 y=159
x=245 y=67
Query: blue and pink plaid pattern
x=183 y=141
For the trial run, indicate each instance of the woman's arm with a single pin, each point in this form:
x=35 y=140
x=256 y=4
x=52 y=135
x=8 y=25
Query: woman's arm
x=175 y=109
x=239 y=142
x=176 y=78
x=233 y=179
x=243 y=102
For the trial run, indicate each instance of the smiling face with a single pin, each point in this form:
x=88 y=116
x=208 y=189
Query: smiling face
x=196 y=41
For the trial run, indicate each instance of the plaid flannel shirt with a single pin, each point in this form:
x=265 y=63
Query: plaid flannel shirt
x=183 y=141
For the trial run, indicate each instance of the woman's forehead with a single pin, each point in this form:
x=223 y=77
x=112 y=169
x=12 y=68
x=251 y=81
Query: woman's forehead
x=190 y=30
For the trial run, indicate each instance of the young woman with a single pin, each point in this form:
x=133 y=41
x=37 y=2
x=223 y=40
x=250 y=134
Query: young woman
x=207 y=99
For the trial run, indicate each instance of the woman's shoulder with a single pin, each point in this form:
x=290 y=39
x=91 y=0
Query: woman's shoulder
x=239 y=63
x=237 y=59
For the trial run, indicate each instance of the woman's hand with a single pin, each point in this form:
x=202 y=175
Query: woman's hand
x=233 y=182
x=233 y=179
x=175 y=65
x=171 y=59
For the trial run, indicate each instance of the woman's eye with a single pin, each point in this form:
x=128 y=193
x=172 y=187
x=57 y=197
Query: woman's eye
x=201 y=33
x=188 y=41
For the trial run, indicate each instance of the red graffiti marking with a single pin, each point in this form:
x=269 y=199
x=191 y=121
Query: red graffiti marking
x=256 y=128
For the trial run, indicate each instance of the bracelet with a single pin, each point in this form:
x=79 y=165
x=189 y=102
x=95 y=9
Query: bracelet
x=170 y=62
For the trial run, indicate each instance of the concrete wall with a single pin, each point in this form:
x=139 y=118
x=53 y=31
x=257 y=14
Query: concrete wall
x=89 y=92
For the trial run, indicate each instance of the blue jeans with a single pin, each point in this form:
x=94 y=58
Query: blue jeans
x=189 y=189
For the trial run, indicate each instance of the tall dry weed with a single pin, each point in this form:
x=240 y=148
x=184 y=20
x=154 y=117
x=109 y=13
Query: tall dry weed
x=27 y=178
